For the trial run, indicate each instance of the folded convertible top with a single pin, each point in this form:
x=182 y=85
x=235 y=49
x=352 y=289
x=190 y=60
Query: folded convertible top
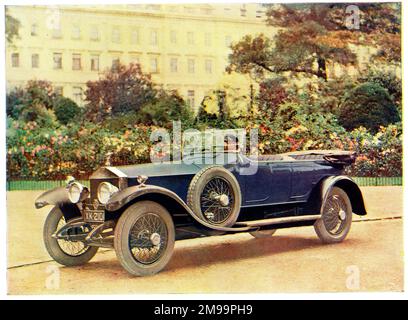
x=339 y=157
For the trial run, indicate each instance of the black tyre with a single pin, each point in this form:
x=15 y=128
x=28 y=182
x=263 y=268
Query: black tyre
x=67 y=253
x=337 y=214
x=215 y=196
x=144 y=238
x=263 y=233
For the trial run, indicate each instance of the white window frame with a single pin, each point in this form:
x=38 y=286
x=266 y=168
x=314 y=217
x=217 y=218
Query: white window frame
x=35 y=57
x=57 y=64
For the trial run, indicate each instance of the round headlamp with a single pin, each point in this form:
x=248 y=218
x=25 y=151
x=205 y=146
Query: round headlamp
x=77 y=192
x=105 y=191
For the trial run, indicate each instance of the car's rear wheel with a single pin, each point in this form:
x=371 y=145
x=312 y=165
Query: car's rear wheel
x=337 y=214
x=215 y=196
x=263 y=233
x=65 y=252
x=144 y=238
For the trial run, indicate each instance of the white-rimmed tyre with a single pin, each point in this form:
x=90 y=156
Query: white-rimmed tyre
x=215 y=196
x=144 y=238
x=66 y=252
x=337 y=214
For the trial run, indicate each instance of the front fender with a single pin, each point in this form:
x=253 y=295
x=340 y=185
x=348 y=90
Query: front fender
x=123 y=197
x=350 y=187
x=57 y=197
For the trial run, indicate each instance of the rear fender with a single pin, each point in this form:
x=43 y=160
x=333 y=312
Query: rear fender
x=350 y=187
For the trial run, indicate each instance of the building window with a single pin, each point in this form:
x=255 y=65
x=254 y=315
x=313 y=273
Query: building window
x=94 y=34
x=15 y=60
x=207 y=39
x=154 y=65
x=173 y=37
x=259 y=12
x=228 y=41
x=95 y=62
x=59 y=90
x=115 y=63
x=208 y=66
x=77 y=94
x=190 y=38
x=173 y=64
x=76 y=32
x=34 y=30
x=134 y=38
x=153 y=37
x=35 y=60
x=56 y=32
x=243 y=11
x=190 y=65
x=115 y=35
x=57 y=57
x=190 y=98
x=76 y=61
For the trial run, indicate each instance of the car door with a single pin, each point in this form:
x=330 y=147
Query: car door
x=270 y=184
x=304 y=178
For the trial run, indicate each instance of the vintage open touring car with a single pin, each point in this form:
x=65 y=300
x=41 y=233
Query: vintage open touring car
x=140 y=210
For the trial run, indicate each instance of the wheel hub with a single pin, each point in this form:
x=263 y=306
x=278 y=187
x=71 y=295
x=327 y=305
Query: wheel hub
x=224 y=201
x=221 y=198
x=155 y=239
x=342 y=215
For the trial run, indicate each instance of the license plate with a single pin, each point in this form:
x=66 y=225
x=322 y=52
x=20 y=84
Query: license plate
x=94 y=216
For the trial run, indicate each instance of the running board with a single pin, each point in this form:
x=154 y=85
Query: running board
x=272 y=221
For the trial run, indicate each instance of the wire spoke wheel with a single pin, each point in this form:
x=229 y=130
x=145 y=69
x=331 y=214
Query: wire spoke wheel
x=71 y=248
x=64 y=251
x=144 y=238
x=217 y=200
x=334 y=214
x=214 y=196
x=337 y=215
x=148 y=238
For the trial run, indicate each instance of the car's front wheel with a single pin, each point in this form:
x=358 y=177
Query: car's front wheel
x=65 y=252
x=337 y=214
x=144 y=238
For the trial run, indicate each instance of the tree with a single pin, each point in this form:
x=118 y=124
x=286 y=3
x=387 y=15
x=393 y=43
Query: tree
x=122 y=89
x=368 y=105
x=12 y=27
x=311 y=36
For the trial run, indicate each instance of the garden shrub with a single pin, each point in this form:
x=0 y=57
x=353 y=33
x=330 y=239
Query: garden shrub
x=66 y=110
x=368 y=105
x=378 y=155
x=165 y=109
x=272 y=93
x=387 y=80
